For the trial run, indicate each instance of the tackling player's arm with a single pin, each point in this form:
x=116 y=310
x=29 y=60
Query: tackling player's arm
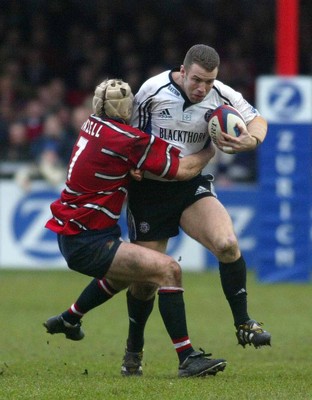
x=192 y=165
x=188 y=166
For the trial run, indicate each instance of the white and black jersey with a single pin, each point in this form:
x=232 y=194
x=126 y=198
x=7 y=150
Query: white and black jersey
x=163 y=109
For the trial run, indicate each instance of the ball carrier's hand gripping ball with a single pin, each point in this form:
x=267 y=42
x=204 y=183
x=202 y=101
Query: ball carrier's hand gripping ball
x=224 y=119
x=113 y=98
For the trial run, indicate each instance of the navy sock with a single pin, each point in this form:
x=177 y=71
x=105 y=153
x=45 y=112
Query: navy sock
x=233 y=279
x=138 y=311
x=96 y=293
x=172 y=309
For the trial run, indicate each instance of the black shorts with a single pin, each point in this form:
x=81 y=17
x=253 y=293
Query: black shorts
x=92 y=252
x=155 y=207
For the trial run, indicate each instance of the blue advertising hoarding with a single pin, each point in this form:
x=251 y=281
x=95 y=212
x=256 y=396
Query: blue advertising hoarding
x=241 y=203
x=28 y=244
x=285 y=185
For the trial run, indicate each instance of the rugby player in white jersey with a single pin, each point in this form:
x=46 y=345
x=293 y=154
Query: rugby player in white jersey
x=175 y=106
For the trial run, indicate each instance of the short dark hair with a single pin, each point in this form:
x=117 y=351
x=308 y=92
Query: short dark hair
x=203 y=55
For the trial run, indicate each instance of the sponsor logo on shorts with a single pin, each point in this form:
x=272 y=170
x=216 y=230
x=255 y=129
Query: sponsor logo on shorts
x=201 y=189
x=144 y=227
x=109 y=244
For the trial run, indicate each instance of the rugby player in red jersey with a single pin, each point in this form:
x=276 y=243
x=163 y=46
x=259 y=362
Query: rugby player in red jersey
x=86 y=215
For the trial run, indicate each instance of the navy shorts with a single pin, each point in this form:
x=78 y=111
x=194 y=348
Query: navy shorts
x=92 y=252
x=155 y=207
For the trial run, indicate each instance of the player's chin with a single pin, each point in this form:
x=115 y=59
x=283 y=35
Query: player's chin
x=197 y=99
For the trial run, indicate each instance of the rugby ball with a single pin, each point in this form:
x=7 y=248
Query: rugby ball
x=224 y=119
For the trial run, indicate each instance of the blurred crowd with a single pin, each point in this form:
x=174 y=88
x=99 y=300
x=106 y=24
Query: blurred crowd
x=53 y=53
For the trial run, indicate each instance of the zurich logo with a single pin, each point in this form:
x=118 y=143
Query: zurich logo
x=285 y=99
x=29 y=219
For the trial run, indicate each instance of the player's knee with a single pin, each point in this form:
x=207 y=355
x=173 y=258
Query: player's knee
x=174 y=273
x=144 y=291
x=117 y=285
x=227 y=247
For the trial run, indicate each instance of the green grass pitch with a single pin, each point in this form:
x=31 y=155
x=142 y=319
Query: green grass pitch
x=35 y=365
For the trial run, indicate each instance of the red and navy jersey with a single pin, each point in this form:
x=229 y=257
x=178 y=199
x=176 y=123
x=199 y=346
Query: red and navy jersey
x=98 y=174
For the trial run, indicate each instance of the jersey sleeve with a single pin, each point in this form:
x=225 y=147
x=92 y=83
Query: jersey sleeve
x=144 y=98
x=135 y=120
x=237 y=100
x=140 y=112
x=154 y=155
